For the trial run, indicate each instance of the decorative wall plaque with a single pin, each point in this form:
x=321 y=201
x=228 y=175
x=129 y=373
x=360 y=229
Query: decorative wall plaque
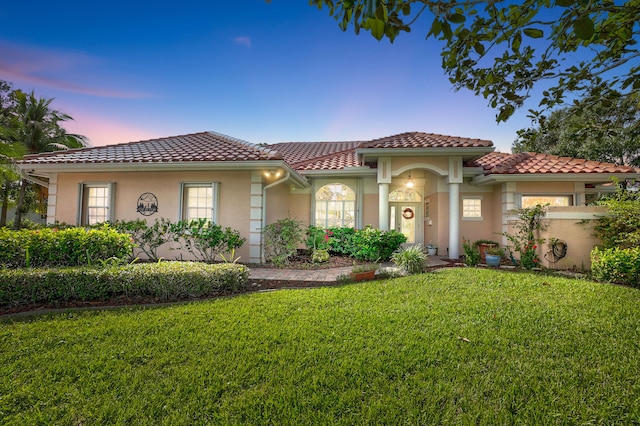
x=147 y=204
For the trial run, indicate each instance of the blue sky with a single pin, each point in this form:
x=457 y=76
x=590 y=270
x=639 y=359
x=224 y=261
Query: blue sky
x=262 y=72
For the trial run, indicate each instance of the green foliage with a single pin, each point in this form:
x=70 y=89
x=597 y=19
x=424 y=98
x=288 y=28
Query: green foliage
x=372 y=244
x=412 y=259
x=526 y=239
x=606 y=131
x=65 y=247
x=618 y=265
x=320 y=256
x=621 y=226
x=162 y=281
x=204 y=240
x=147 y=238
x=318 y=238
x=471 y=253
x=501 y=49
x=281 y=240
x=342 y=240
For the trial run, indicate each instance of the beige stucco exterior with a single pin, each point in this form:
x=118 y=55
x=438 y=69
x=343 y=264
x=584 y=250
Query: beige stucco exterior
x=248 y=200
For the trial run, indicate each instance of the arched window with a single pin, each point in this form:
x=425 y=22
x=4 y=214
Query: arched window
x=407 y=195
x=335 y=206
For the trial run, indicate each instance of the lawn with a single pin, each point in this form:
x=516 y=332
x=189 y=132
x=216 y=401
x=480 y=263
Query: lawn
x=460 y=346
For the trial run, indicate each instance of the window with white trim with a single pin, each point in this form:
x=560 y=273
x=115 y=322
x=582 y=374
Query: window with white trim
x=199 y=201
x=472 y=208
x=530 y=200
x=335 y=206
x=96 y=202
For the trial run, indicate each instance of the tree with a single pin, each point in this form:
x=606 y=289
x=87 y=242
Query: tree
x=600 y=132
x=8 y=151
x=36 y=126
x=501 y=50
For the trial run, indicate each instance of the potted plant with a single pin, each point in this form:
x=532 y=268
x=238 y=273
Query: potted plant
x=493 y=256
x=484 y=246
x=432 y=250
x=365 y=271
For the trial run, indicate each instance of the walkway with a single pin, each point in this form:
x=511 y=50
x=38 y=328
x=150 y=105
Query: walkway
x=316 y=275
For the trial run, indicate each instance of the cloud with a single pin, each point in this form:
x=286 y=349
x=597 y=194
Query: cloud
x=55 y=69
x=244 y=41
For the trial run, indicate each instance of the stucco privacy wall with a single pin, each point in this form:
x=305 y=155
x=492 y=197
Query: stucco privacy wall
x=233 y=204
x=573 y=225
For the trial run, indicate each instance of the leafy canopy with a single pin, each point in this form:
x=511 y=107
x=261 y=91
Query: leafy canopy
x=602 y=131
x=501 y=49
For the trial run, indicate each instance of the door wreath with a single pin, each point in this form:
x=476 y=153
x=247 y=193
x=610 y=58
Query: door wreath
x=408 y=213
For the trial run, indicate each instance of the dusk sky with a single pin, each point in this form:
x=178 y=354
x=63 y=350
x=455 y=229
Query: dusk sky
x=277 y=72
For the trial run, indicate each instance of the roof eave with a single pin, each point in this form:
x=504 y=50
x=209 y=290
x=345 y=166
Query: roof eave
x=348 y=171
x=467 y=153
x=492 y=179
x=48 y=169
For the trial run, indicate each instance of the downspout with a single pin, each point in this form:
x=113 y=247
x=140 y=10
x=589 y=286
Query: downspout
x=263 y=219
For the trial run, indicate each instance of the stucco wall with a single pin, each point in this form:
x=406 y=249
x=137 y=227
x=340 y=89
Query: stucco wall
x=234 y=197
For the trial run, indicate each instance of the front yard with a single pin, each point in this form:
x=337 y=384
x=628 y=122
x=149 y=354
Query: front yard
x=459 y=346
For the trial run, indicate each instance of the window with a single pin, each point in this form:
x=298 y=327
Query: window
x=472 y=208
x=335 y=206
x=199 y=201
x=95 y=203
x=552 y=200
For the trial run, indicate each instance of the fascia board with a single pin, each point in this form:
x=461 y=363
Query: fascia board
x=424 y=152
x=44 y=169
x=550 y=177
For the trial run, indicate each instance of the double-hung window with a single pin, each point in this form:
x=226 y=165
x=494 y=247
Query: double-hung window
x=472 y=208
x=199 y=201
x=95 y=203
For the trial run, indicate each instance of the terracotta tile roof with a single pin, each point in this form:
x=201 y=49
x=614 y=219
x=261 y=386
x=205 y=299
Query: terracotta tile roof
x=532 y=163
x=300 y=152
x=205 y=146
x=425 y=140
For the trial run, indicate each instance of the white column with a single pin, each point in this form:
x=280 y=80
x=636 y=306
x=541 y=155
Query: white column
x=255 y=218
x=383 y=206
x=454 y=220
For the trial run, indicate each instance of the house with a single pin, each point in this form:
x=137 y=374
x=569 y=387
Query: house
x=435 y=189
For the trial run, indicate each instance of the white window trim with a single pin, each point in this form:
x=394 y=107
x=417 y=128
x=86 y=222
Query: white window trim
x=357 y=202
x=467 y=218
x=111 y=186
x=215 y=191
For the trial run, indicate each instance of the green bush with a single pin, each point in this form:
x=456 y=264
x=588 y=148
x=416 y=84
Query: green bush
x=205 y=240
x=162 y=281
x=372 y=244
x=281 y=240
x=412 y=259
x=147 y=238
x=616 y=265
x=341 y=242
x=65 y=247
x=471 y=253
x=621 y=226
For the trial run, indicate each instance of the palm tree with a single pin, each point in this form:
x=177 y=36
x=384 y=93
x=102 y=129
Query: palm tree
x=36 y=126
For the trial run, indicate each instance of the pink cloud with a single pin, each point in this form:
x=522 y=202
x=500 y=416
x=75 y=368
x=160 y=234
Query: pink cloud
x=244 y=41
x=106 y=131
x=53 y=69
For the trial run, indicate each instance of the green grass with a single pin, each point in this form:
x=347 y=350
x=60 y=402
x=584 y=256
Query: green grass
x=461 y=346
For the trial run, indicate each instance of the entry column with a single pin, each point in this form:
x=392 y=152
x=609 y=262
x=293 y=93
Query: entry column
x=455 y=179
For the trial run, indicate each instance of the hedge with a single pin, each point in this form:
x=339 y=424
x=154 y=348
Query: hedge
x=65 y=247
x=616 y=265
x=163 y=281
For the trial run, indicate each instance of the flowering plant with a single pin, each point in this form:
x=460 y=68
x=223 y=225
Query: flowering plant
x=524 y=241
x=528 y=256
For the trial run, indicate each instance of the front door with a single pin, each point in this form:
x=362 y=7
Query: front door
x=404 y=218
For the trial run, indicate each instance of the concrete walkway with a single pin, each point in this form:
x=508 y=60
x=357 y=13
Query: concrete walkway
x=316 y=275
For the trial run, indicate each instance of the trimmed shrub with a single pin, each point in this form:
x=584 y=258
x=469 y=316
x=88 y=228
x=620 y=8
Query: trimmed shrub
x=66 y=247
x=342 y=241
x=205 y=240
x=162 y=281
x=616 y=265
x=147 y=238
x=281 y=240
x=372 y=244
x=411 y=259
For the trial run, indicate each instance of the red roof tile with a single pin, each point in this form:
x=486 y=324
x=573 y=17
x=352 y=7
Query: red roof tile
x=302 y=152
x=205 y=146
x=425 y=140
x=532 y=163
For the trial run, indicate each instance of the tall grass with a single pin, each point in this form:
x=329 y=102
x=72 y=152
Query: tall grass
x=460 y=346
